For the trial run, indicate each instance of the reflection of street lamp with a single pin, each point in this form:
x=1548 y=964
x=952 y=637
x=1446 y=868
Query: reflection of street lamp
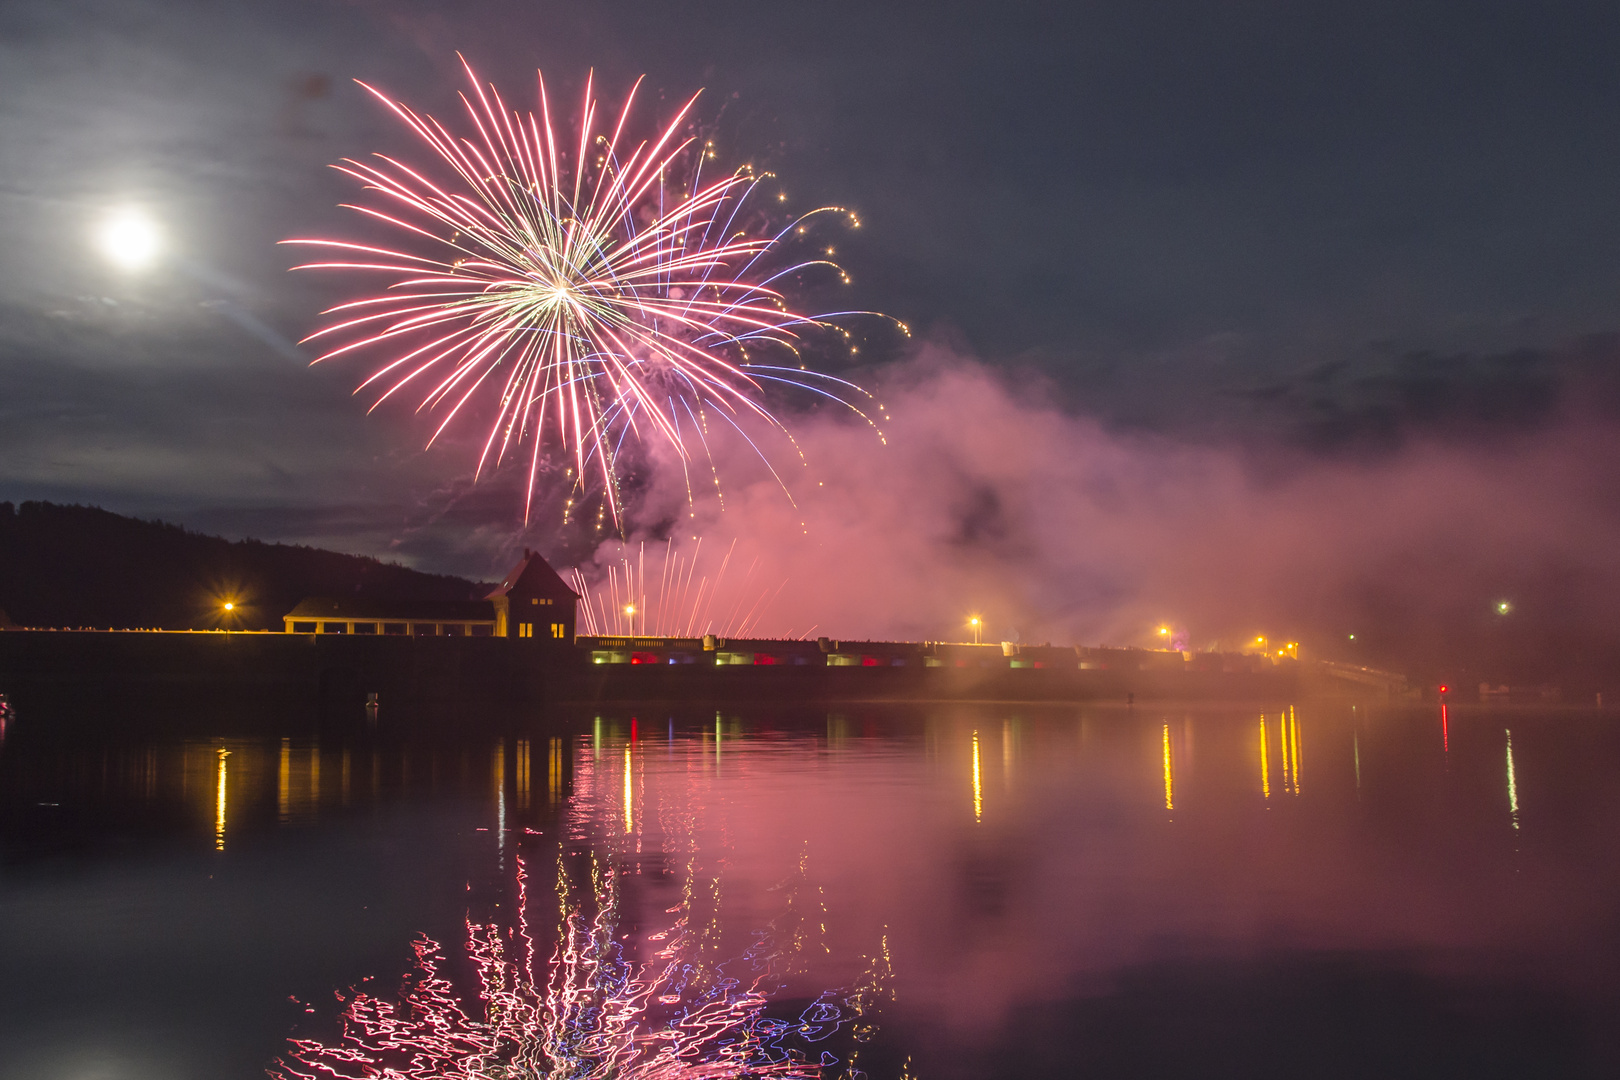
x=976 y=623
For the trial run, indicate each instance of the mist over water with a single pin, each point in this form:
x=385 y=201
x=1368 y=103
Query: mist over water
x=986 y=496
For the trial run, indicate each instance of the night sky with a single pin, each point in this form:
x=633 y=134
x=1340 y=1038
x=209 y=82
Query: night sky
x=1296 y=237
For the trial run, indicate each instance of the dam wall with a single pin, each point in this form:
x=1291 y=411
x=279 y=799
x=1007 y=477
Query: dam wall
x=335 y=674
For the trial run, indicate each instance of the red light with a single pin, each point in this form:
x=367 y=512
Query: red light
x=1443 y=689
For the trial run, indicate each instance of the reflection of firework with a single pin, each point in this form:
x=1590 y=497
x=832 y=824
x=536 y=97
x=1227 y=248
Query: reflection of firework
x=589 y=292
x=679 y=599
x=660 y=1004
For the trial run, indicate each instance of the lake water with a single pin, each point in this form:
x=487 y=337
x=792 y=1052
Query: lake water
x=929 y=892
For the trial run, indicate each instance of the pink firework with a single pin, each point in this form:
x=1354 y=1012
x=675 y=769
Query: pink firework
x=582 y=293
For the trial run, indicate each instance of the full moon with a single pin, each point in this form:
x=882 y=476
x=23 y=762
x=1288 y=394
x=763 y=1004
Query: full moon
x=130 y=239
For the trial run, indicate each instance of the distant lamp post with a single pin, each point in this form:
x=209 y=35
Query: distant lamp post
x=229 y=606
x=1503 y=607
x=977 y=624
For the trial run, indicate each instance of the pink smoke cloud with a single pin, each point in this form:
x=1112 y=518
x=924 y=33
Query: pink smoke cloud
x=986 y=497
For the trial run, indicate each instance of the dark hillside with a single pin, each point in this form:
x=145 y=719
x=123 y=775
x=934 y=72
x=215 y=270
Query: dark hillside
x=80 y=566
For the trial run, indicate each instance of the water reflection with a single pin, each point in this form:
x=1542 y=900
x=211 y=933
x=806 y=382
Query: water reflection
x=1512 y=783
x=978 y=784
x=582 y=971
x=1169 y=789
x=761 y=893
x=219 y=802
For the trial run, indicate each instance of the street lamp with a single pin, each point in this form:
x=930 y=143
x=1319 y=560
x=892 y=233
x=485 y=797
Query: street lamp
x=976 y=623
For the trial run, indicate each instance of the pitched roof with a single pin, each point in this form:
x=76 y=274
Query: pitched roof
x=327 y=607
x=533 y=575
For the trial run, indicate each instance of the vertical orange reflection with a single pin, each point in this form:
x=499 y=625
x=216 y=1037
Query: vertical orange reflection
x=978 y=788
x=1265 y=767
x=1282 y=748
x=1169 y=790
x=343 y=782
x=1512 y=782
x=219 y=802
x=554 y=771
x=522 y=769
x=314 y=779
x=1293 y=729
x=284 y=783
x=1445 y=730
x=498 y=775
x=629 y=821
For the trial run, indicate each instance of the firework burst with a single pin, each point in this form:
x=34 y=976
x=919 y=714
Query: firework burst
x=687 y=596
x=581 y=292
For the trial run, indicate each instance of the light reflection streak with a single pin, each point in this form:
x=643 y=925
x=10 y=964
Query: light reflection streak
x=284 y=783
x=1282 y=742
x=1265 y=767
x=978 y=787
x=554 y=772
x=1169 y=793
x=1512 y=782
x=499 y=770
x=1445 y=730
x=599 y=1003
x=219 y=802
x=629 y=821
x=1293 y=729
